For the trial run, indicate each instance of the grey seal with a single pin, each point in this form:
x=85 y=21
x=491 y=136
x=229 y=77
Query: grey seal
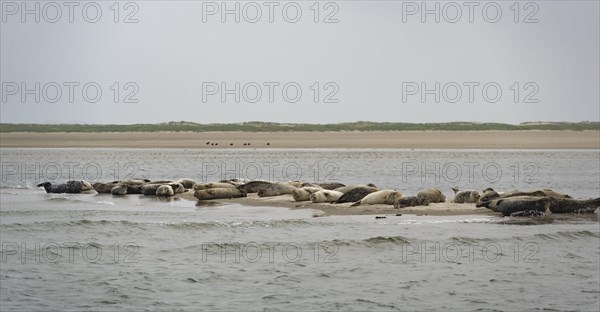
x=432 y=196
x=466 y=196
x=218 y=193
x=276 y=189
x=165 y=190
x=119 y=189
x=330 y=185
x=567 y=205
x=254 y=186
x=411 y=201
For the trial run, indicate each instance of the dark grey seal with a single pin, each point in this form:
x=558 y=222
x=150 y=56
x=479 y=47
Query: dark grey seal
x=566 y=205
x=524 y=207
x=71 y=187
x=59 y=188
x=356 y=194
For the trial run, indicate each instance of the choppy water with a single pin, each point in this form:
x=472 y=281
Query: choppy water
x=99 y=252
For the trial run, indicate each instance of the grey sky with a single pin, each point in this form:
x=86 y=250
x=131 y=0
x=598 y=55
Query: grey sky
x=368 y=55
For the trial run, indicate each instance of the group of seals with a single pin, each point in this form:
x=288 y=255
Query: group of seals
x=511 y=203
x=516 y=203
x=70 y=187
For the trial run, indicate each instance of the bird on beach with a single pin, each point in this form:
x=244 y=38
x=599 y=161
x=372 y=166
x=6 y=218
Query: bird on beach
x=207 y=142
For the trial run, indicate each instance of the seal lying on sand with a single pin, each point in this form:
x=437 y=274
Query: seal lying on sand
x=86 y=186
x=388 y=197
x=511 y=205
x=346 y=189
x=356 y=194
x=466 y=196
x=567 y=205
x=330 y=185
x=72 y=187
x=187 y=183
x=150 y=189
x=431 y=196
x=325 y=196
x=411 y=201
x=165 y=190
x=219 y=193
x=303 y=193
x=103 y=188
x=535 y=193
x=254 y=186
x=488 y=194
x=523 y=207
x=119 y=189
x=206 y=186
x=276 y=189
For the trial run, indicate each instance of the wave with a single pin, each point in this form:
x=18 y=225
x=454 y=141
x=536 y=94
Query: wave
x=146 y=225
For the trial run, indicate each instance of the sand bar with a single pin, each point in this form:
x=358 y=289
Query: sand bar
x=352 y=139
x=326 y=209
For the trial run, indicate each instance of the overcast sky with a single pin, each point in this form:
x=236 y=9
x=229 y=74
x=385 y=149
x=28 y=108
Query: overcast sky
x=371 y=62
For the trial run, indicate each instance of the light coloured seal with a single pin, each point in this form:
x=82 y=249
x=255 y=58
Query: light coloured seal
x=325 y=196
x=303 y=193
x=165 y=190
x=466 y=196
x=86 y=186
x=219 y=193
x=276 y=189
x=178 y=188
x=431 y=196
x=187 y=183
x=387 y=197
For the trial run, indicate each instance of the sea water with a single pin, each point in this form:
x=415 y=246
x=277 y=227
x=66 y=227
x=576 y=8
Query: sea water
x=102 y=252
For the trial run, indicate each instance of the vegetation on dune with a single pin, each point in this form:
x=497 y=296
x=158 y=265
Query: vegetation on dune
x=256 y=126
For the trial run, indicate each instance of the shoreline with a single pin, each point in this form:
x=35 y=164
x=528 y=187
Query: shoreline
x=515 y=139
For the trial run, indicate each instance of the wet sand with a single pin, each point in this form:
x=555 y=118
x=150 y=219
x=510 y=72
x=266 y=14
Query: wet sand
x=389 y=139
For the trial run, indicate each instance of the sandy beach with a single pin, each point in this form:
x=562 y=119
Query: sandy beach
x=392 y=139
